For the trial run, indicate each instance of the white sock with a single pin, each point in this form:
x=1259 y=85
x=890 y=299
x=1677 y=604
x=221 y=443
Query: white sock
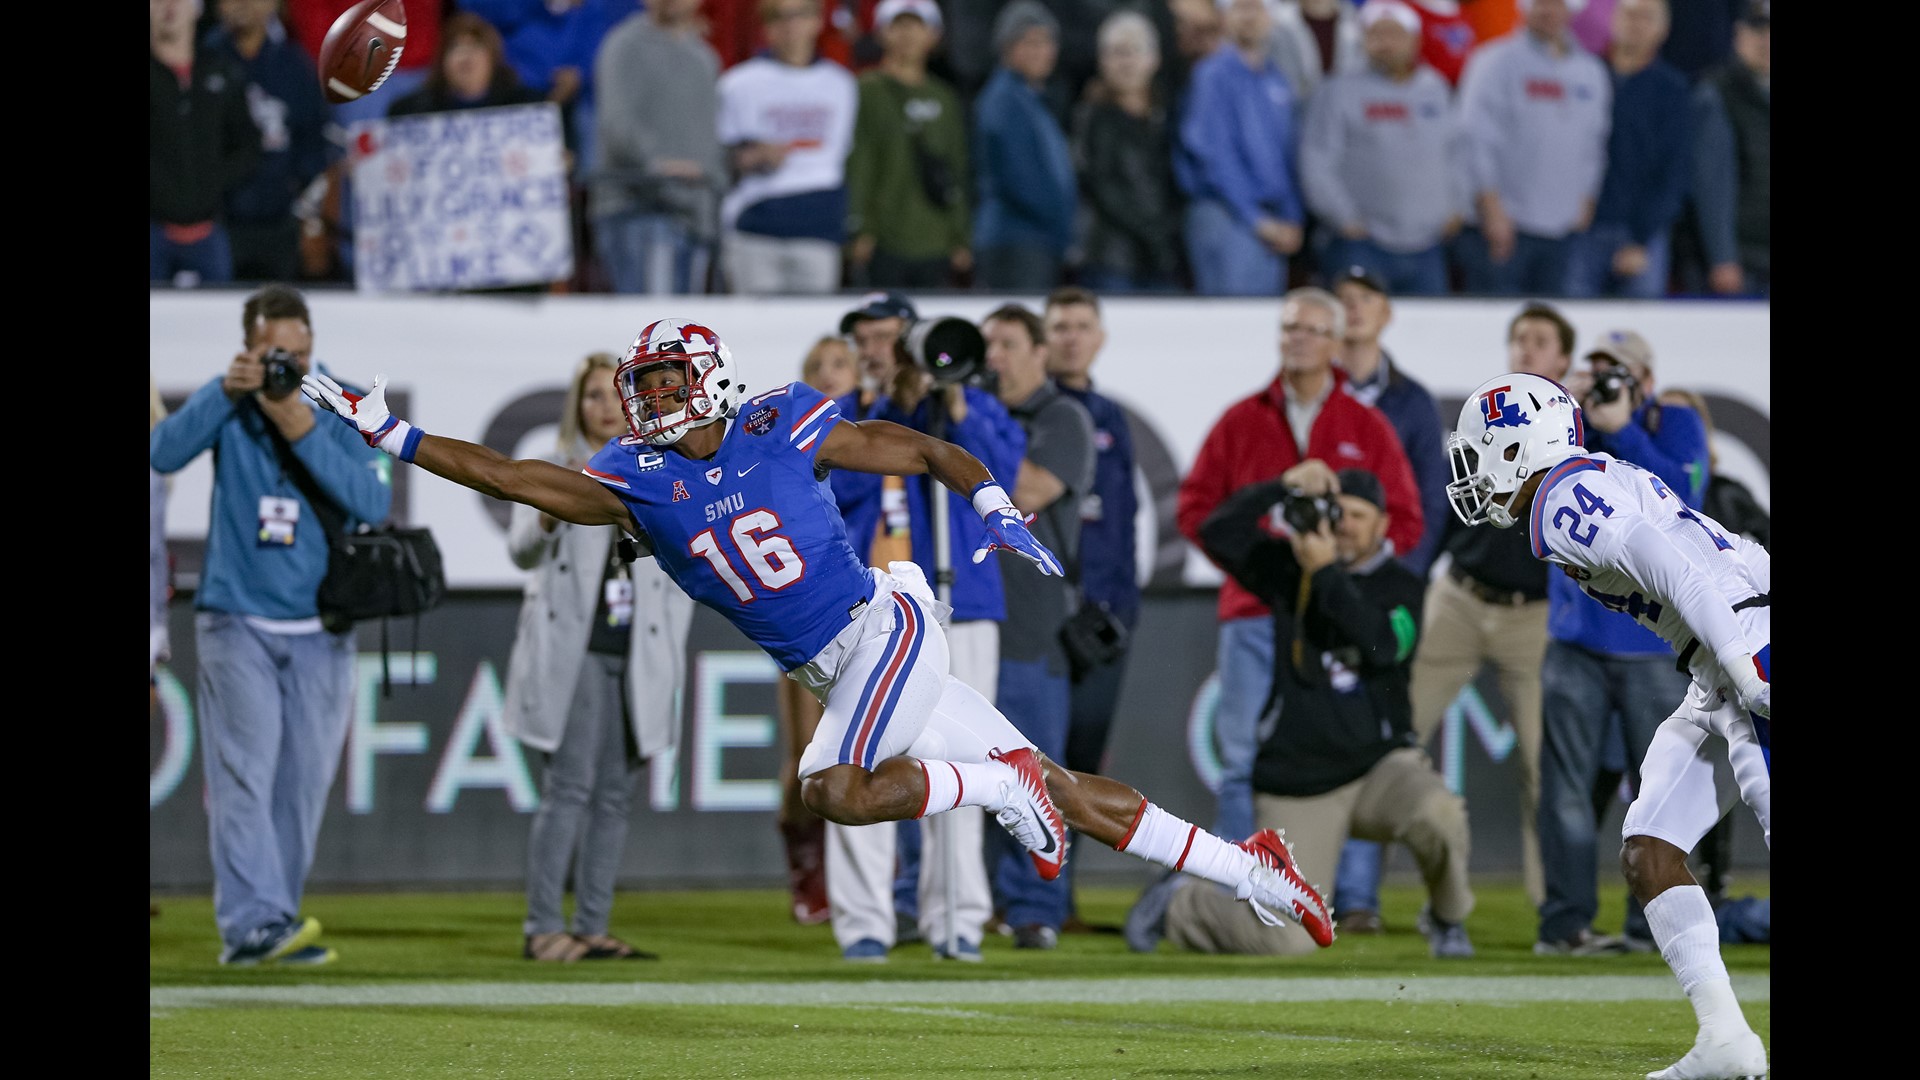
x=1683 y=926
x=952 y=784
x=1159 y=837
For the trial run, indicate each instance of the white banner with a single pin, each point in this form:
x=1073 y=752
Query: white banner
x=493 y=370
x=461 y=200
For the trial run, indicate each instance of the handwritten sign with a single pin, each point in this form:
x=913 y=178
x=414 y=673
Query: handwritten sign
x=471 y=199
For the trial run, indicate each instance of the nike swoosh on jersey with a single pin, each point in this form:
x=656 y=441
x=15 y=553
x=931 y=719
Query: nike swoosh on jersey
x=747 y=470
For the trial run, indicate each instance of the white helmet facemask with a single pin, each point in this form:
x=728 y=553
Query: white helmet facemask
x=1510 y=428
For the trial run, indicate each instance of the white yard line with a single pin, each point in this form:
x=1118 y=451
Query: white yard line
x=1514 y=989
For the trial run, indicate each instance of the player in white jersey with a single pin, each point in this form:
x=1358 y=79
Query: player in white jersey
x=762 y=543
x=1518 y=456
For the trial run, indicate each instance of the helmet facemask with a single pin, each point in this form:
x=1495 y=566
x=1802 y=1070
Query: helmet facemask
x=1511 y=428
x=662 y=415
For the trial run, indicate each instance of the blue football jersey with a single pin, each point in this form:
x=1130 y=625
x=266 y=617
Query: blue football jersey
x=751 y=532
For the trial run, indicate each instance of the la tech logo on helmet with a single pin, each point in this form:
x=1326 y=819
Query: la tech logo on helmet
x=1498 y=413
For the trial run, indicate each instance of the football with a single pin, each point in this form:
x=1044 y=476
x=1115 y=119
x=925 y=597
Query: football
x=361 y=48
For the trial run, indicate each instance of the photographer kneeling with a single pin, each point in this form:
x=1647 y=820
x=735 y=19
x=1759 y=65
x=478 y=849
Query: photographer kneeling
x=1337 y=754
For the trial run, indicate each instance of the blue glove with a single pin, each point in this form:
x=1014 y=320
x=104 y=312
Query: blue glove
x=1006 y=528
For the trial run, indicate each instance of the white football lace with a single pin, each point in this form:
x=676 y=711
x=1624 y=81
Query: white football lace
x=1024 y=827
x=1263 y=879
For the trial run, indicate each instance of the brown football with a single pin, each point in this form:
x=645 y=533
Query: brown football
x=361 y=48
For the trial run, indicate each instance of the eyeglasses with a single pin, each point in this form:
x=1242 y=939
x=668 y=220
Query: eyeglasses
x=1303 y=328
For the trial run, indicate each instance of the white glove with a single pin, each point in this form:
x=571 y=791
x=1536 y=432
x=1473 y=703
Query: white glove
x=1754 y=692
x=368 y=414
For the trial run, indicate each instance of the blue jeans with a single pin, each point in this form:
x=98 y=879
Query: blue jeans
x=1579 y=689
x=651 y=253
x=1037 y=702
x=1246 y=677
x=1105 y=282
x=210 y=262
x=1356 y=886
x=906 y=875
x=1538 y=266
x=1228 y=259
x=1590 y=270
x=1095 y=697
x=1421 y=273
x=273 y=721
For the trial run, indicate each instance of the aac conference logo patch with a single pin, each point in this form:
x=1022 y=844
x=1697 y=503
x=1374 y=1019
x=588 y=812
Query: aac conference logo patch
x=761 y=421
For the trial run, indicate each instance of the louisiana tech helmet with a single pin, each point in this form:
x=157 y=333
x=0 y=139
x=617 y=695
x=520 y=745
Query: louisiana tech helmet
x=1510 y=428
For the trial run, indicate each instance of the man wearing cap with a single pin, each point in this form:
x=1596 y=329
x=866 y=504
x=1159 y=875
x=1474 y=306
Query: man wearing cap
x=1235 y=161
x=1340 y=758
x=890 y=512
x=1384 y=159
x=1625 y=253
x=907 y=212
x=1023 y=170
x=1732 y=177
x=1603 y=667
x=1375 y=378
x=1302 y=414
x=1537 y=109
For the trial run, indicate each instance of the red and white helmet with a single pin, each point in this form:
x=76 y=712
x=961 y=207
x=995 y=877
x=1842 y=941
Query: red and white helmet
x=660 y=417
x=1510 y=428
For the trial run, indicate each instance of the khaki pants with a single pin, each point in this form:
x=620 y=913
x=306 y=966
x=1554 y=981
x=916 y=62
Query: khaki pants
x=1402 y=799
x=1460 y=632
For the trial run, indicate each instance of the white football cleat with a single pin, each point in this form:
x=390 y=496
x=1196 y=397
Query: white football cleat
x=1740 y=1056
x=1029 y=813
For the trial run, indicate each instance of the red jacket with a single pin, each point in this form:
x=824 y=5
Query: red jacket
x=1252 y=441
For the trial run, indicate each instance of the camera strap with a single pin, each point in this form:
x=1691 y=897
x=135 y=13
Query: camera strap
x=333 y=518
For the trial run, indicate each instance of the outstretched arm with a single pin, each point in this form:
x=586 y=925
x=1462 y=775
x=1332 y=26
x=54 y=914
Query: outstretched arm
x=877 y=446
x=564 y=493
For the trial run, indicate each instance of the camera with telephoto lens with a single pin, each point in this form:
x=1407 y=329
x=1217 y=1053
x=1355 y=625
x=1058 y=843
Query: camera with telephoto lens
x=283 y=373
x=948 y=347
x=1303 y=513
x=1610 y=384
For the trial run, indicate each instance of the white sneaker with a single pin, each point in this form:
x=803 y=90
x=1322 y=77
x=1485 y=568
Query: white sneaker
x=1029 y=813
x=1739 y=1056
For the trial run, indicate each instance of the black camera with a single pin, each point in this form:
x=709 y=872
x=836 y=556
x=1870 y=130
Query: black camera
x=283 y=372
x=1303 y=513
x=1608 y=385
x=948 y=347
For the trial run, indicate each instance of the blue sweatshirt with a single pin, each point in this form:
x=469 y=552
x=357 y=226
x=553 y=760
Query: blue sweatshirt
x=1108 y=561
x=1237 y=139
x=243 y=575
x=1415 y=417
x=1649 y=152
x=1023 y=171
x=988 y=433
x=283 y=94
x=1678 y=456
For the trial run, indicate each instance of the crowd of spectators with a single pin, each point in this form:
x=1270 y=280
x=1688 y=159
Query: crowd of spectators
x=1239 y=147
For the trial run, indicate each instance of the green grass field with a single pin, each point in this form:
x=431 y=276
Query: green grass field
x=432 y=985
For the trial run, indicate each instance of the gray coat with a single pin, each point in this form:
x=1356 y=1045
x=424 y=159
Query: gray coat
x=551 y=643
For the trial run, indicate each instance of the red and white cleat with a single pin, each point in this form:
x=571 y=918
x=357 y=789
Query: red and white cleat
x=1276 y=886
x=1029 y=813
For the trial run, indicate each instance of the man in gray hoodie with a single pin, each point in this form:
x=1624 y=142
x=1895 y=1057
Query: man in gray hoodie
x=1384 y=159
x=1538 y=109
x=653 y=197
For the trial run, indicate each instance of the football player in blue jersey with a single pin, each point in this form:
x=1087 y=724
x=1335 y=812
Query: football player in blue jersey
x=728 y=493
